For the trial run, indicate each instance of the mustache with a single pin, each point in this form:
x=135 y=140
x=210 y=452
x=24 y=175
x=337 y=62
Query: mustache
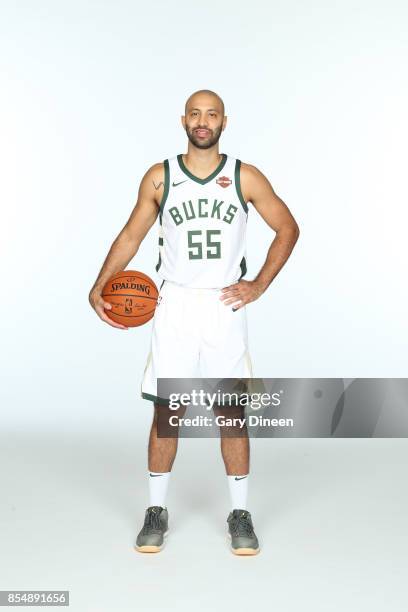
x=214 y=131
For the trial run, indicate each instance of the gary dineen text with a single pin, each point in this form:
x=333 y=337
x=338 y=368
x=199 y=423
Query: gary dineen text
x=223 y=421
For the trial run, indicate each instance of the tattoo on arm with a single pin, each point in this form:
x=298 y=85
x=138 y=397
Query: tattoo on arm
x=159 y=185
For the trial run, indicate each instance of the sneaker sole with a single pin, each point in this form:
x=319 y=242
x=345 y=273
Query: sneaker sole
x=242 y=551
x=150 y=548
x=245 y=551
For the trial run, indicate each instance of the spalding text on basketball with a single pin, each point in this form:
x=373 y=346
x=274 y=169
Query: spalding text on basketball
x=137 y=286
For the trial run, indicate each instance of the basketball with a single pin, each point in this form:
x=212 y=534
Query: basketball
x=133 y=296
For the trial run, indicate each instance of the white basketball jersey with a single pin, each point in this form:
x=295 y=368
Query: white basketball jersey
x=202 y=225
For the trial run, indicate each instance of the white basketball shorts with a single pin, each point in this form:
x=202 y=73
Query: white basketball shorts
x=195 y=335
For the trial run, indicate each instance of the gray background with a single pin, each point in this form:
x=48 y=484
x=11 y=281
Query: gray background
x=311 y=407
x=92 y=92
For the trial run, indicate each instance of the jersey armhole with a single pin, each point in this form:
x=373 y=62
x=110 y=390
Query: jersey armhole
x=166 y=187
x=238 y=185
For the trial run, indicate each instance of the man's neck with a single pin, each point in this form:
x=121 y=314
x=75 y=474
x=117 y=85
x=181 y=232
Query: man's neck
x=202 y=161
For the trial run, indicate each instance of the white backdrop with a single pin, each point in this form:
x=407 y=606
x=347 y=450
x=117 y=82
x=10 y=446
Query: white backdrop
x=91 y=96
x=92 y=93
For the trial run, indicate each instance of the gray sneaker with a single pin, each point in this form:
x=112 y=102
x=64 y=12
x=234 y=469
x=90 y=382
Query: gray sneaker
x=242 y=534
x=156 y=526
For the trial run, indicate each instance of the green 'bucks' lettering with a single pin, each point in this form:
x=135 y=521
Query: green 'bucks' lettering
x=216 y=208
x=177 y=218
x=200 y=211
x=201 y=208
x=230 y=212
x=192 y=213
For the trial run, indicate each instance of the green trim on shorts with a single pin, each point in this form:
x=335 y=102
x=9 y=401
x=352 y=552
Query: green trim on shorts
x=154 y=398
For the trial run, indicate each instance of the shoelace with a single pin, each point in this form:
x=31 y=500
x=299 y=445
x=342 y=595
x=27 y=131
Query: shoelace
x=152 y=520
x=241 y=525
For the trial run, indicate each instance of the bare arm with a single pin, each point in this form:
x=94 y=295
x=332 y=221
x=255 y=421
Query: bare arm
x=127 y=243
x=257 y=189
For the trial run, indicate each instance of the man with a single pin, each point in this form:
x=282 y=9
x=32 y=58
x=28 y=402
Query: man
x=201 y=199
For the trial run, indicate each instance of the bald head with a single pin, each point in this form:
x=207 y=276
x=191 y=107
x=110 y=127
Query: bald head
x=202 y=94
x=204 y=118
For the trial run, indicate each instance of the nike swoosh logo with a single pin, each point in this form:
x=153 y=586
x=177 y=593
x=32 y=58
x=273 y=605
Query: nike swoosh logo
x=240 y=478
x=155 y=475
x=175 y=184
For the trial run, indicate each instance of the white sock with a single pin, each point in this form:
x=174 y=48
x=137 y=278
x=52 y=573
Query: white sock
x=238 y=486
x=158 y=483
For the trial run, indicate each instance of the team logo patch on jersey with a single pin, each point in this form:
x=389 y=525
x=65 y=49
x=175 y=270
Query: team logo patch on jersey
x=223 y=181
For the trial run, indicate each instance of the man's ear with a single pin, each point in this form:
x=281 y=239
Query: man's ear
x=183 y=121
x=224 y=123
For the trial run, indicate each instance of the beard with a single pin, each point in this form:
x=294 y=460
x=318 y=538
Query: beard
x=206 y=143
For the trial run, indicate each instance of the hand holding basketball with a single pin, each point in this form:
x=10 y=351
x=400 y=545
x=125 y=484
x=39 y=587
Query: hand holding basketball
x=132 y=296
x=128 y=299
x=100 y=306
